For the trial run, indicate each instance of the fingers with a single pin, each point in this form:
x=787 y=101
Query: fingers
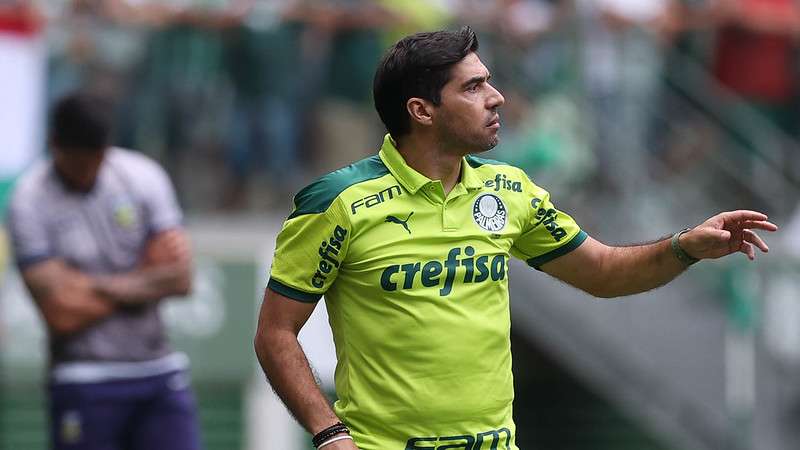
x=748 y=250
x=759 y=224
x=753 y=238
x=743 y=214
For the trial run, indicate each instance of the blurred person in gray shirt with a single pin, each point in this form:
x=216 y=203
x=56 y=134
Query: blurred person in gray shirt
x=97 y=236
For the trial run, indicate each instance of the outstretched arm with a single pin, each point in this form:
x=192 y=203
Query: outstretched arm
x=606 y=271
x=286 y=365
x=165 y=271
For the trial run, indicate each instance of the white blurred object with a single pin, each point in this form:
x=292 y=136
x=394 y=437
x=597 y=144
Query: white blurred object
x=316 y=339
x=269 y=425
x=791 y=235
x=740 y=373
x=782 y=318
x=202 y=314
x=22 y=83
x=635 y=10
x=527 y=17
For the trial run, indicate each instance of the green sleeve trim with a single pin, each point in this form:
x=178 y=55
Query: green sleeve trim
x=476 y=162
x=560 y=251
x=292 y=293
x=318 y=196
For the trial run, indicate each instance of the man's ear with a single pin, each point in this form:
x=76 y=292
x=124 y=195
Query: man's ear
x=420 y=110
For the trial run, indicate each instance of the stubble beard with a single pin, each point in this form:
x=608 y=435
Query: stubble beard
x=493 y=141
x=486 y=144
x=472 y=143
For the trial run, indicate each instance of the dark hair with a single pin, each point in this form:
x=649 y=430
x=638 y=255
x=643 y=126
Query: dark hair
x=417 y=66
x=81 y=121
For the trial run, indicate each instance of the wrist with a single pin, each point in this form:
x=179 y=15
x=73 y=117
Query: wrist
x=679 y=250
x=333 y=433
x=110 y=288
x=333 y=440
x=101 y=286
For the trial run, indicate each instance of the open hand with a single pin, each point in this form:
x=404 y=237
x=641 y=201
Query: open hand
x=727 y=233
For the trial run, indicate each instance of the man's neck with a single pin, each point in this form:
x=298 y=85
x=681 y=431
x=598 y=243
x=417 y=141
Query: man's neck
x=431 y=159
x=69 y=185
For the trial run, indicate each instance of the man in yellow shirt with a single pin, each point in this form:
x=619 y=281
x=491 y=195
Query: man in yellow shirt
x=410 y=248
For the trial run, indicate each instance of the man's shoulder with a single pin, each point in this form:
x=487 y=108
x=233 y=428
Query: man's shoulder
x=33 y=183
x=132 y=161
x=142 y=175
x=321 y=193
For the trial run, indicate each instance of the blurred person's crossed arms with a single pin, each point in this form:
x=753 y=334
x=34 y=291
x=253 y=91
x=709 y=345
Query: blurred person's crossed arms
x=98 y=240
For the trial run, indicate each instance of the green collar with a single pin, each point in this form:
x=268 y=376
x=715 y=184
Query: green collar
x=413 y=180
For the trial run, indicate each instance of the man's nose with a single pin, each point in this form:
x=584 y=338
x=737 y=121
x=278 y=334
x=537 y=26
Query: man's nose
x=495 y=99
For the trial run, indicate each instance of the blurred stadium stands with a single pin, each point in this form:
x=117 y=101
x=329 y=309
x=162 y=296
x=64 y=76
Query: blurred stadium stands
x=617 y=107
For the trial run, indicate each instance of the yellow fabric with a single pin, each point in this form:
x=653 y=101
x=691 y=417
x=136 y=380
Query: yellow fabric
x=416 y=287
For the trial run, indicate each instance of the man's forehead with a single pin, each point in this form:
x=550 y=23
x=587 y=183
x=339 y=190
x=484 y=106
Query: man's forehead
x=469 y=67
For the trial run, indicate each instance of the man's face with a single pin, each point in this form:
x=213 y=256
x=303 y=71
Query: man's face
x=78 y=169
x=467 y=116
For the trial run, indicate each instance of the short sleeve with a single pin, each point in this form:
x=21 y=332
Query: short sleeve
x=26 y=226
x=160 y=200
x=548 y=233
x=309 y=252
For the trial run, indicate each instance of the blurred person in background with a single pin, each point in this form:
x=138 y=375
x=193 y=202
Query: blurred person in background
x=95 y=43
x=413 y=15
x=97 y=236
x=752 y=59
x=180 y=113
x=342 y=40
x=269 y=104
x=410 y=249
x=332 y=42
x=760 y=35
x=622 y=63
x=517 y=41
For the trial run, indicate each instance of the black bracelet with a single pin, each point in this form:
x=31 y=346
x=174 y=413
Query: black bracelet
x=328 y=433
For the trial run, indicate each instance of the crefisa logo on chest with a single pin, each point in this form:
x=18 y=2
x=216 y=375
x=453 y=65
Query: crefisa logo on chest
x=489 y=212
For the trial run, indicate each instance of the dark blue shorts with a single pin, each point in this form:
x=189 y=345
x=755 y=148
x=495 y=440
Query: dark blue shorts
x=154 y=413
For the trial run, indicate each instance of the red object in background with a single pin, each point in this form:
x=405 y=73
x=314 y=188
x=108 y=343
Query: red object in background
x=755 y=64
x=22 y=20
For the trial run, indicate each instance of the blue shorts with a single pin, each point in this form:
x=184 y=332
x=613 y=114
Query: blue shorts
x=153 y=413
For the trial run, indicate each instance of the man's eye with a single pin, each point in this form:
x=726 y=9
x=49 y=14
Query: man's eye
x=472 y=88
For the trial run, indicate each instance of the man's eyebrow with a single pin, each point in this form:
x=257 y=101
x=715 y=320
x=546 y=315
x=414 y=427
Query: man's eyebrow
x=476 y=79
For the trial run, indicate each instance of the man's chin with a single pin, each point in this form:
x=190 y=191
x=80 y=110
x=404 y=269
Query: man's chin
x=492 y=143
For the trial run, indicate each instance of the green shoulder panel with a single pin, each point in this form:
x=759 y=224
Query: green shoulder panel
x=484 y=164
x=318 y=196
x=476 y=162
